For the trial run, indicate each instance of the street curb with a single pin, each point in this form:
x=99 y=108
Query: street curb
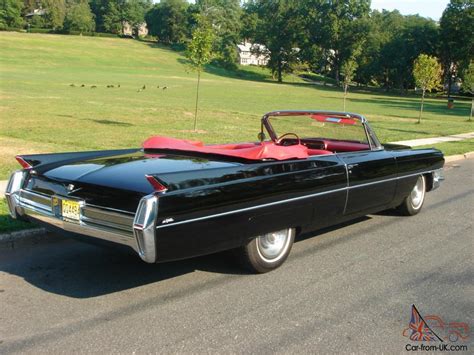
x=9 y=240
x=31 y=236
x=452 y=158
x=21 y=234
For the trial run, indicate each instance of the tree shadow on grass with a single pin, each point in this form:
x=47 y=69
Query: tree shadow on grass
x=153 y=44
x=110 y=122
x=232 y=74
x=438 y=108
x=425 y=133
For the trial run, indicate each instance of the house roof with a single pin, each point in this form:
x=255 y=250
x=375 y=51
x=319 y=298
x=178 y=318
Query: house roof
x=247 y=47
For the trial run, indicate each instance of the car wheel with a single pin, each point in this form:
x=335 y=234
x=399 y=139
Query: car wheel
x=268 y=251
x=412 y=204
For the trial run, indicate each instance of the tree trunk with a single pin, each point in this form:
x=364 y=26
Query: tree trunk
x=197 y=99
x=450 y=81
x=336 y=68
x=421 y=108
x=280 y=78
x=345 y=95
x=472 y=109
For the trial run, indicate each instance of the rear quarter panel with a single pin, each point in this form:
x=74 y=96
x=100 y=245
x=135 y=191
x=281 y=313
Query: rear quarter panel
x=218 y=210
x=413 y=161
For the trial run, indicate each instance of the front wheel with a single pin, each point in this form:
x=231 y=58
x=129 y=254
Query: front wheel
x=412 y=204
x=268 y=251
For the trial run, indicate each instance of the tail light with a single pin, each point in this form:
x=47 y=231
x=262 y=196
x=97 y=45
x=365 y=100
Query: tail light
x=23 y=162
x=158 y=186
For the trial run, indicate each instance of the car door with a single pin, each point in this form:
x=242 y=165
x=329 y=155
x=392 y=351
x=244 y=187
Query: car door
x=372 y=180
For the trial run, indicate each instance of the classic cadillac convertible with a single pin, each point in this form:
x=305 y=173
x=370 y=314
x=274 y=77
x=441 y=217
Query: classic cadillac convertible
x=175 y=199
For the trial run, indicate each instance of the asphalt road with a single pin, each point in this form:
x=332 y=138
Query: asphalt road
x=348 y=289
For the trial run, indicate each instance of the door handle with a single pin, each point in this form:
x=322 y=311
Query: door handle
x=350 y=166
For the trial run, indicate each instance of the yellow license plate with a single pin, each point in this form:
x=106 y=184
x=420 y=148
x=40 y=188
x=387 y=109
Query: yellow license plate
x=71 y=209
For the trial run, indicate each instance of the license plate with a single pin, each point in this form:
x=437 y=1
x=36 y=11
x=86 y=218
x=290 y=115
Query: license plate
x=71 y=210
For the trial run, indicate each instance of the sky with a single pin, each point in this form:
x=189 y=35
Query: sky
x=426 y=8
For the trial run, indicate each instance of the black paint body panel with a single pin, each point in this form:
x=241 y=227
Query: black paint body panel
x=218 y=203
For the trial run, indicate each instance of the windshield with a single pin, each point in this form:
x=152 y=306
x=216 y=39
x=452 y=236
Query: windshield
x=320 y=126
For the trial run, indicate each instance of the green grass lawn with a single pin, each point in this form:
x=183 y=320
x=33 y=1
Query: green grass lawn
x=7 y=224
x=41 y=112
x=453 y=148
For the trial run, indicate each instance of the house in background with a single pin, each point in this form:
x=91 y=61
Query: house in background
x=248 y=54
x=36 y=12
x=128 y=30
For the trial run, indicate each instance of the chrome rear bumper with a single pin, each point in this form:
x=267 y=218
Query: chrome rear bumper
x=136 y=230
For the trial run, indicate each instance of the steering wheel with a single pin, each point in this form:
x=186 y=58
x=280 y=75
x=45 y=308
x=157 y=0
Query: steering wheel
x=280 y=139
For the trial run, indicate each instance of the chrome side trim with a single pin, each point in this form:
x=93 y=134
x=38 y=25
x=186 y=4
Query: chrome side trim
x=348 y=188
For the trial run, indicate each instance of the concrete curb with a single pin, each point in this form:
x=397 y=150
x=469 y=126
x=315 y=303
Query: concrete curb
x=25 y=233
x=27 y=236
x=452 y=158
x=35 y=235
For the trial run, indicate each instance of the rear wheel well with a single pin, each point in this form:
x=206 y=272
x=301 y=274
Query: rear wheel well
x=429 y=181
x=298 y=230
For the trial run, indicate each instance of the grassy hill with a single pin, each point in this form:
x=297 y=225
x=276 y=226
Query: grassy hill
x=41 y=112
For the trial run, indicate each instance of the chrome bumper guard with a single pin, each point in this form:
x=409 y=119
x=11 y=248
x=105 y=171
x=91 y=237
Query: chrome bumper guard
x=438 y=176
x=134 y=230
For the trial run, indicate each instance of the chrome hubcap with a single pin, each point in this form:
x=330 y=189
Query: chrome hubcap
x=271 y=246
x=418 y=193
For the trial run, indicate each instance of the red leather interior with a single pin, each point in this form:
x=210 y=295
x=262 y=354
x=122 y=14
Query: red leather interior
x=337 y=146
x=339 y=119
x=318 y=152
x=252 y=151
x=265 y=150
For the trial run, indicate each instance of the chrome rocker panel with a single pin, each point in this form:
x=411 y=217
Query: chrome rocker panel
x=133 y=230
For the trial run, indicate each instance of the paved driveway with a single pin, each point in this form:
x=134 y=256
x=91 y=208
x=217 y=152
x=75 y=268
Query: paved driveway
x=342 y=290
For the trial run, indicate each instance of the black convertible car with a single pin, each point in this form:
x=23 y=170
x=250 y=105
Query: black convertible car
x=175 y=199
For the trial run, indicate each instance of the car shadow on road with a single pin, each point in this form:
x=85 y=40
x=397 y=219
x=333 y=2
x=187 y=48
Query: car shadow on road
x=80 y=270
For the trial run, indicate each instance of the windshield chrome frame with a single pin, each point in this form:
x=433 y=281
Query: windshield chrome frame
x=372 y=139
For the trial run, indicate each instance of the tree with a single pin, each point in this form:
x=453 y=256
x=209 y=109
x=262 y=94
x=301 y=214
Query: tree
x=372 y=65
x=338 y=27
x=468 y=85
x=135 y=13
x=79 y=17
x=348 y=69
x=417 y=35
x=199 y=53
x=168 y=21
x=457 y=32
x=99 y=8
x=279 y=28
x=115 y=16
x=224 y=17
x=10 y=13
x=55 y=13
x=427 y=73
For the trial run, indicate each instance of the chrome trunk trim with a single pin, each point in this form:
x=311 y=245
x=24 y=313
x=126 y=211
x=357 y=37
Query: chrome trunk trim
x=95 y=221
x=12 y=193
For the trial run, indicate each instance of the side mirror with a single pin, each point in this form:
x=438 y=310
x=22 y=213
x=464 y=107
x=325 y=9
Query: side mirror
x=261 y=136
